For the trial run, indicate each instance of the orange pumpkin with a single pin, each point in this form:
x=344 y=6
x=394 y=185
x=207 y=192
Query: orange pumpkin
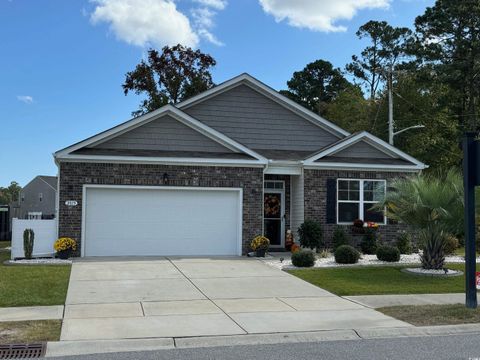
x=295 y=248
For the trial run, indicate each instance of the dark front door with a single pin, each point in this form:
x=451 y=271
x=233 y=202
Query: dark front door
x=272 y=217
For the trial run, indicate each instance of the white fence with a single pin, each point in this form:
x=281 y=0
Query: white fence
x=45 y=235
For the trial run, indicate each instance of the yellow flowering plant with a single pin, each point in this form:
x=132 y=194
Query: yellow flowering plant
x=260 y=243
x=65 y=243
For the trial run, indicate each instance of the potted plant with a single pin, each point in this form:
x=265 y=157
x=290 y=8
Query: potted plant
x=260 y=245
x=64 y=247
x=357 y=227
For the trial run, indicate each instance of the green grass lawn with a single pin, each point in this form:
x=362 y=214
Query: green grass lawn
x=4 y=244
x=425 y=315
x=31 y=285
x=22 y=332
x=377 y=280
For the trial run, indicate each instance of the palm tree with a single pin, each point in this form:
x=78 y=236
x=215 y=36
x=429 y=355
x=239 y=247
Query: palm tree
x=431 y=205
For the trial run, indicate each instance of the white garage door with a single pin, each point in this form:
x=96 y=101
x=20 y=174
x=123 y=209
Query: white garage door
x=125 y=221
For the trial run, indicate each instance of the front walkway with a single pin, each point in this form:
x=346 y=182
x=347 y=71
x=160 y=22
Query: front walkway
x=378 y=301
x=152 y=298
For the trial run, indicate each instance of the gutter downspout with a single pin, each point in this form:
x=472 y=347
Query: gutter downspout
x=263 y=192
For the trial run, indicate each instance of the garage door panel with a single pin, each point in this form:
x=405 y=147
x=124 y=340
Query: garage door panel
x=161 y=222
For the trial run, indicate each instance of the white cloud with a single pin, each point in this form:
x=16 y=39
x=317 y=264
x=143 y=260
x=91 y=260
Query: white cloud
x=146 y=22
x=27 y=99
x=204 y=23
x=215 y=4
x=318 y=15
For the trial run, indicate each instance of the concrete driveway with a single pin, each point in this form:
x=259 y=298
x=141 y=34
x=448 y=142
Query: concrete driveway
x=168 y=297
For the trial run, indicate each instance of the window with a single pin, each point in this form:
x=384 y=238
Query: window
x=355 y=199
x=34 y=215
x=40 y=196
x=273 y=184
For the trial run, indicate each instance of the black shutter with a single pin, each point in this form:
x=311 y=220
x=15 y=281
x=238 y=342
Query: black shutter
x=331 y=201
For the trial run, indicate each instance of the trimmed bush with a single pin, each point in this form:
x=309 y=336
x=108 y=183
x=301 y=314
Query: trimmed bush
x=388 y=253
x=339 y=238
x=369 y=242
x=310 y=233
x=303 y=258
x=346 y=254
x=451 y=244
x=404 y=243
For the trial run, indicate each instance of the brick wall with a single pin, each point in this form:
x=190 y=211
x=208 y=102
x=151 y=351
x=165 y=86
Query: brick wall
x=316 y=200
x=74 y=175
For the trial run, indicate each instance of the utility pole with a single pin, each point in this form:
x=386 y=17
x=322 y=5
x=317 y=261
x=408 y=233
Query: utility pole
x=391 y=124
x=390 y=106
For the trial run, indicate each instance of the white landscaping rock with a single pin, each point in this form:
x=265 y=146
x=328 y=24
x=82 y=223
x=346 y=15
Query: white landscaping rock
x=432 y=272
x=51 y=261
x=364 y=260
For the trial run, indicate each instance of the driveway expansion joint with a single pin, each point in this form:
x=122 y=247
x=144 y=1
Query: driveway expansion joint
x=181 y=272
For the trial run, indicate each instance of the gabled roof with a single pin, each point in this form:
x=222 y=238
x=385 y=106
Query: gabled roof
x=50 y=181
x=399 y=160
x=68 y=153
x=271 y=93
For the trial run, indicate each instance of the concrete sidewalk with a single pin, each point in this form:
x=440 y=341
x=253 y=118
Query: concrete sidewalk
x=70 y=348
x=378 y=301
x=27 y=313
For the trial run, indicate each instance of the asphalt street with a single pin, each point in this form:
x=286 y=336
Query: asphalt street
x=465 y=346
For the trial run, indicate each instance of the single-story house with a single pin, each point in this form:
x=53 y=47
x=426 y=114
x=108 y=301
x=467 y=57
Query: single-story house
x=204 y=176
x=37 y=199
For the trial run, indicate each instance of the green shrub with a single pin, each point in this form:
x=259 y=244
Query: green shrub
x=404 y=243
x=310 y=234
x=346 y=254
x=339 y=238
x=388 y=253
x=451 y=244
x=369 y=242
x=303 y=258
x=28 y=241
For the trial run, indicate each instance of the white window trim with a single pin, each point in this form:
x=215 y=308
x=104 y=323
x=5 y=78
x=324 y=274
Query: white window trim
x=360 y=201
x=275 y=182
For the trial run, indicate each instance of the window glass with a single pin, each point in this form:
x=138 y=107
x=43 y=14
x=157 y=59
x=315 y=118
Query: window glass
x=373 y=190
x=348 y=212
x=348 y=190
x=371 y=215
x=356 y=198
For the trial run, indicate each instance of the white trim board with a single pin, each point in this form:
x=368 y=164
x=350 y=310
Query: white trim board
x=364 y=167
x=372 y=140
x=271 y=93
x=85 y=187
x=162 y=160
x=163 y=111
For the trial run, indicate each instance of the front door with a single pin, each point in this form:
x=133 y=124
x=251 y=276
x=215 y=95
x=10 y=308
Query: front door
x=273 y=212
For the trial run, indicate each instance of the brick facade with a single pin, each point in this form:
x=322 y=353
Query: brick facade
x=316 y=201
x=73 y=175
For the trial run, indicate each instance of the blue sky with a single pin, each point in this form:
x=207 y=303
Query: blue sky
x=62 y=62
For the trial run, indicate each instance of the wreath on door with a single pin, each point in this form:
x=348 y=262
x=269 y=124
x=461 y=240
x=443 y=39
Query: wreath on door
x=271 y=205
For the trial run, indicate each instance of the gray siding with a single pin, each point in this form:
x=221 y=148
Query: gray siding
x=165 y=133
x=259 y=122
x=362 y=149
x=36 y=196
x=297 y=203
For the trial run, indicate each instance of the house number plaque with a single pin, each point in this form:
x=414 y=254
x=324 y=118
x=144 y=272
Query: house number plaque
x=71 y=203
